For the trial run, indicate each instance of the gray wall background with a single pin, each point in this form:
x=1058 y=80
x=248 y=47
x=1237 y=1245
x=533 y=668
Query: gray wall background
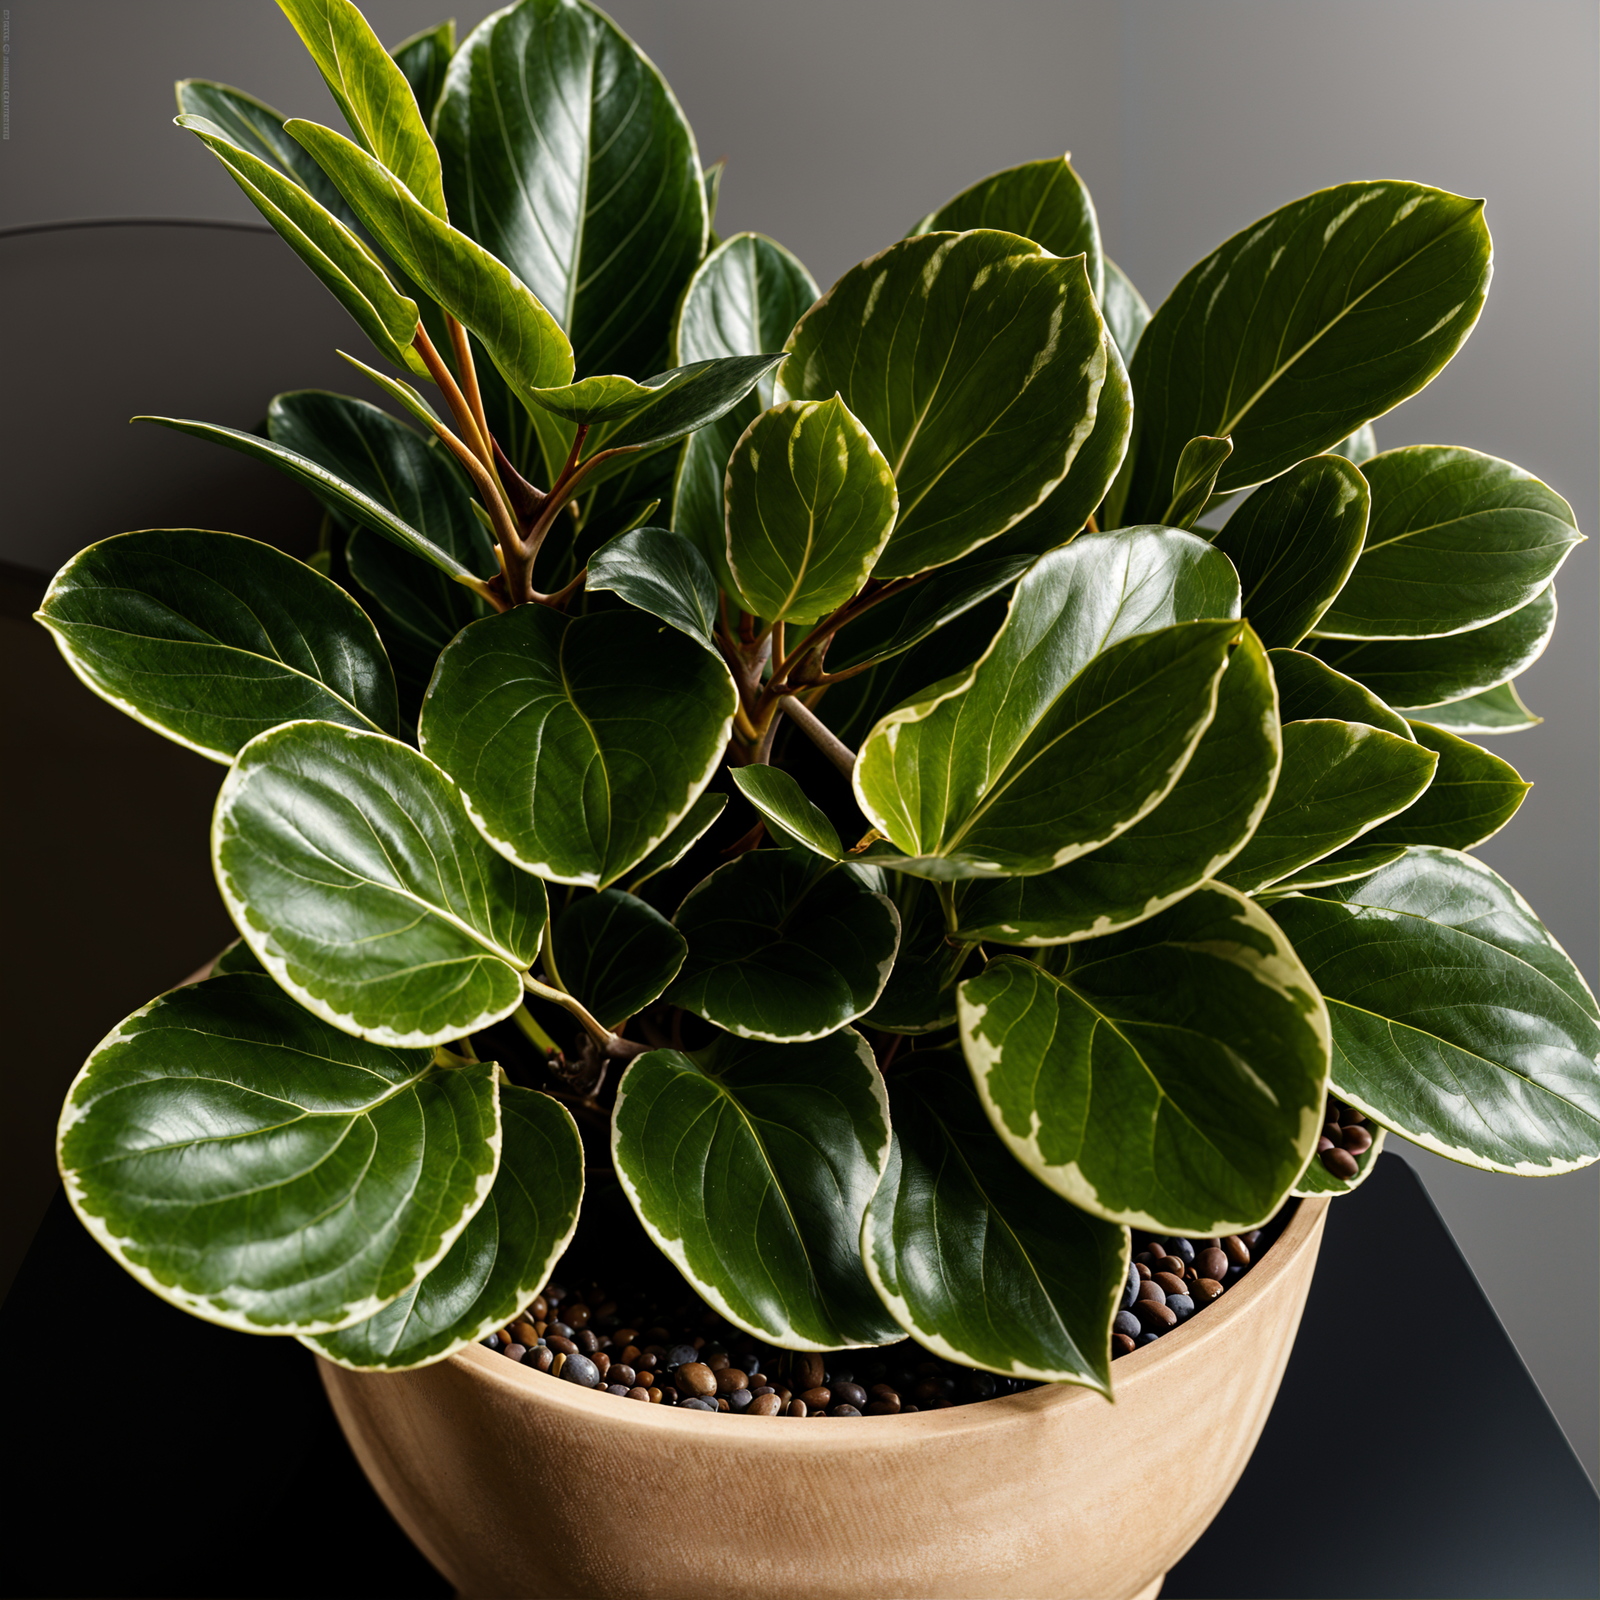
x=843 y=120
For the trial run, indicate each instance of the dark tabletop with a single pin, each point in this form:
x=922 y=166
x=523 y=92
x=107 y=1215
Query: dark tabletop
x=1409 y=1453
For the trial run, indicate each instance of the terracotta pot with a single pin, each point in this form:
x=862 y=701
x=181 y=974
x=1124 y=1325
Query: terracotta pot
x=515 y=1483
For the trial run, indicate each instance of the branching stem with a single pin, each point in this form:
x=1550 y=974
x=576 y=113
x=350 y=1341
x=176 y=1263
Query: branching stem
x=818 y=732
x=601 y=1035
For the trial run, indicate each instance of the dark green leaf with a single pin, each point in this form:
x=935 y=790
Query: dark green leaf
x=1457 y=540
x=920 y=996
x=615 y=954
x=713 y=185
x=661 y=573
x=1193 y=480
x=706 y=389
x=1472 y=797
x=751 y=1167
x=424 y=58
x=1423 y=673
x=257 y=1168
x=782 y=801
x=1320 y=317
x=713 y=389
x=681 y=840
x=499 y=1262
x=1309 y=688
x=567 y=157
x=1339 y=780
x=350 y=866
x=1358 y=860
x=1458 y=1021
x=1294 y=542
x=238 y=957
x=1174 y=1079
x=1034 y=1283
x=1125 y=311
x=974 y=360
x=210 y=638
x=579 y=743
x=784 y=947
x=1494 y=711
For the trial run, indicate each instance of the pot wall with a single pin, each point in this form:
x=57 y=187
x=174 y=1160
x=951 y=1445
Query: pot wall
x=514 y=1483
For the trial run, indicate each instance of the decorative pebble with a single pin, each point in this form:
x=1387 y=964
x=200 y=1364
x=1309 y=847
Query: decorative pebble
x=580 y=1369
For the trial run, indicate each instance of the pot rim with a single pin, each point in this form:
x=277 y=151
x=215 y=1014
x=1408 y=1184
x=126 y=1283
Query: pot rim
x=518 y=1384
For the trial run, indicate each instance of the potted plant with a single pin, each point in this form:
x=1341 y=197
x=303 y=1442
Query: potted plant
x=917 y=823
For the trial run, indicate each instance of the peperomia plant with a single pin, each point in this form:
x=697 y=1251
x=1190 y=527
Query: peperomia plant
x=909 y=844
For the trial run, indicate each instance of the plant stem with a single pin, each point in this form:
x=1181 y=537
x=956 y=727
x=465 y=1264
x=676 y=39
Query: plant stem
x=469 y=382
x=541 y=1040
x=466 y=419
x=839 y=753
x=601 y=1035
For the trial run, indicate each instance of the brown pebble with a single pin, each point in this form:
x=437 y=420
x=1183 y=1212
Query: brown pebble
x=797 y=1408
x=1151 y=1315
x=557 y=1364
x=808 y=1370
x=722 y=1405
x=1143 y=1271
x=761 y=1388
x=1121 y=1344
x=1151 y=1290
x=539 y=1308
x=654 y=1395
x=1251 y=1237
x=817 y=1398
x=1170 y=1282
x=884 y=1401
x=515 y=1350
x=523 y=1333
x=884 y=1391
x=637 y=1393
x=630 y=1353
x=1331 y=1132
x=849 y=1394
x=719 y=1361
x=1212 y=1263
x=881 y=1408
x=565 y=1346
x=699 y=1341
x=1324 y=1143
x=576 y=1316
x=764 y=1405
x=1357 y=1140
x=1204 y=1291
x=1172 y=1264
x=1236 y=1250
x=587 y=1340
x=621 y=1372
x=730 y=1379
x=542 y=1359
x=603 y=1361
x=1350 y=1117
x=1341 y=1164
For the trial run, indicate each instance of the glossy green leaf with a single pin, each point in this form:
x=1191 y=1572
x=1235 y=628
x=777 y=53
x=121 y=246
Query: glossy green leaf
x=1202 y=825
x=1309 y=688
x=349 y=864
x=615 y=953
x=711 y=390
x=920 y=996
x=567 y=157
x=1076 y=722
x=579 y=743
x=372 y=94
x=745 y=297
x=1035 y=1283
x=785 y=947
x=810 y=505
x=344 y=264
x=1494 y=711
x=1310 y=322
x=210 y=638
x=423 y=59
x=1316 y=1181
x=706 y=387
x=1423 y=673
x=328 y=487
x=522 y=339
x=1472 y=797
x=1361 y=445
x=1294 y=542
x=1125 y=311
x=1457 y=540
x=1458 y=1021
x=1193 y=480
x=250 y=1164
x=1339 y=780
x=500 y=1261
x=1045 y=201
x=713 y=187
x=661 y=573
x=1174 y=1079
x=1358 y=860
x=783 y=802
x=751 y=1167
x=974 y=360
x=680 y=841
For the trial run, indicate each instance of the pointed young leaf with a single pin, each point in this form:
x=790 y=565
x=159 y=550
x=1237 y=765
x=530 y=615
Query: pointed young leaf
x=1322 y=316
x=1045 y=201
x=499 y=1262
x=1423 y=673
x=713 y=186
x=371 y=92
x=579 y=743
x=1457 y=540
x=1309 y=688
x=1193 y=480
x=1033 y=1288
x=784 y=947
x=751 y=1167
x=783 y=802
x=680 y=841
x=1294 y=542
x=211 y=638
x=974 y=360
x=661 y=573
x=348 y=863
x=1125 y=311
x=615 y=954
x=1339 y=780
x=1202 y=825
x=704 y=388
x=1472 y=797
x=1174 y=1079
x=568 y=158
x=521 y=337
x=423 y=59
x=810 y=504
x=1494 y=711
x=711 y=390
x=257 y=1168
x=1458 y=1021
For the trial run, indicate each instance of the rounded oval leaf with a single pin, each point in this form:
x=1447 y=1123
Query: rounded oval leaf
x=579 y=743
x=351 y=868
x=255 y=1167
x=211 y=638
x=1033 y=1285
x=500 y=1261
x=974 y=360
x=1472 y=797
x=784 y=946
x=1498 y=710
x=751 y=1167
x=1458 y=1021
x=1174 y=1079
x=615 y=953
